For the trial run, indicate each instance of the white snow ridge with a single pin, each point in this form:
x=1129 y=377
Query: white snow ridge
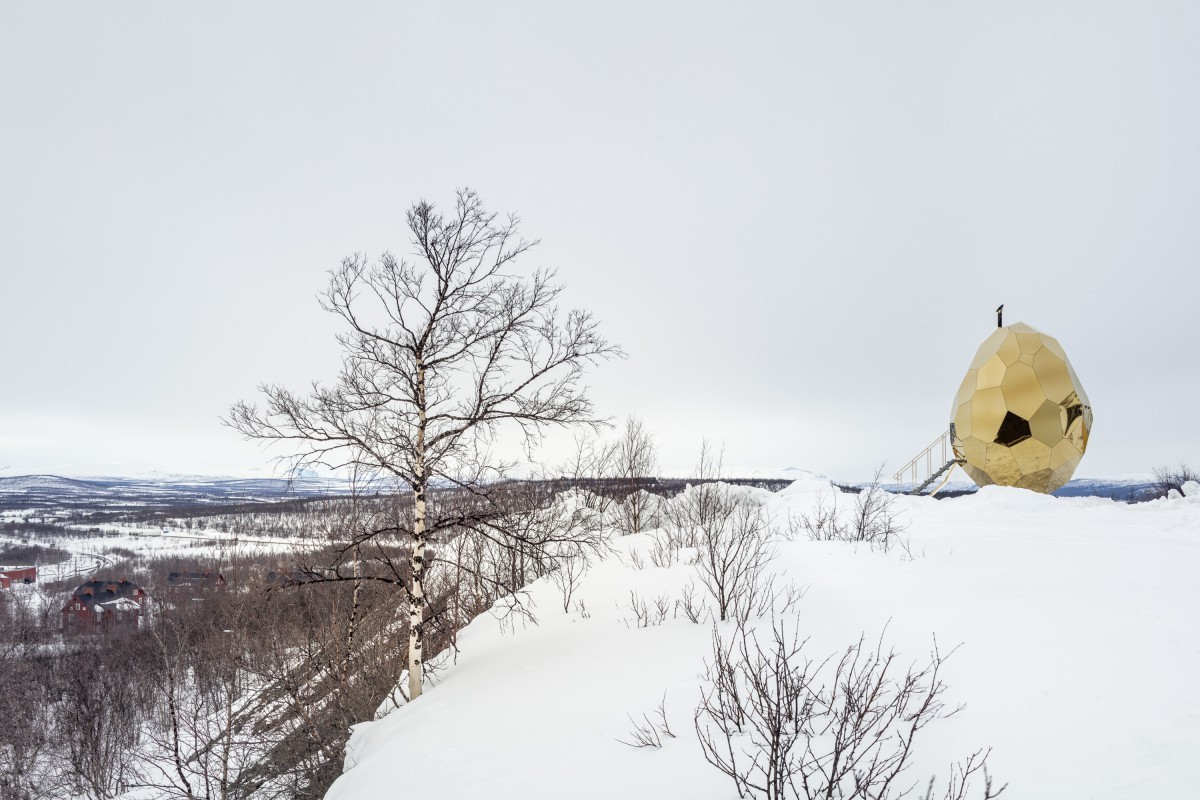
x=1078 y=659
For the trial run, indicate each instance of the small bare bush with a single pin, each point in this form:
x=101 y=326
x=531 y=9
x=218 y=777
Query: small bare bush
x=649 y=614
x=649 y=732
x=664 y=548
x=693 y=606
x=823 y=523
x=700 y=505
x=635 y=460
x=1168 y=478
x=732 y=557
x=635 y=559
x=873 y=518
x=785 y=727
x=733 y=539
x=568 y=577
x=638 y=513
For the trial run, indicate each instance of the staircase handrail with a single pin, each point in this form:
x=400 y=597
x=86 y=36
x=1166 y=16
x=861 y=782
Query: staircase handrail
x=925 y=458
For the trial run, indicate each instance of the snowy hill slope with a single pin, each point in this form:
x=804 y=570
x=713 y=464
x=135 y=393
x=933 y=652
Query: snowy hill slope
x=1078 y=661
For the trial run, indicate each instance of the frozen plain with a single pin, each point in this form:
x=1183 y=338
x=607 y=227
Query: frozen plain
x=1078 y=665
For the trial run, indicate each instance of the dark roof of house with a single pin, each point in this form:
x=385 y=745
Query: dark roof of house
x=94 y=593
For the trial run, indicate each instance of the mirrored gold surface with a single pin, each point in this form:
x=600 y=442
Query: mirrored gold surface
x=987 y=413
x=1046 y=423
x=1031 y=455
x=1021 y=417
x=1029 y=342
x=962 y=419
x=1063 y=453
x=989 y=348
x=991 y=373
x=1022 y=393
x=1009 y=351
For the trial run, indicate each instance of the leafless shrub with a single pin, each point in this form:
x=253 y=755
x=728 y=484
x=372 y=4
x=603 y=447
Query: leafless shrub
x=649 y=732
x=732 y=536
x=663 y=606
x=648 y=615
x=732 y=556
x=664 y=549
x=558 y=536
x=29 y=764
x=875 y=519
x=785 y=600
x=589 y=463
x=97 y=724
x=872 y=519
x=635 y=559
x=693 y=606
x=701 y=505
x=567 y=578
x=961 y=776
x=634 y=460
x=823 y=523
x=1171 y=478
x=639 y=512
x=783 y=726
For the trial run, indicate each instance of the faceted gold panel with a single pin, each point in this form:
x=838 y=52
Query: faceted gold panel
x=1021 y=417
x=1063 y=453
x=1022 y=392
x=987 y=413
x=962 y=419
x=1052 y=373
x=991 y=373
x=1009 y=351
x=989 y=348
x=1031 y=455
x=1046 y=423
x=1029 y=342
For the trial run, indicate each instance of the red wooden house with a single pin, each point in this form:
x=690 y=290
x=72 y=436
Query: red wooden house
x=11 y=575
x=104 y=607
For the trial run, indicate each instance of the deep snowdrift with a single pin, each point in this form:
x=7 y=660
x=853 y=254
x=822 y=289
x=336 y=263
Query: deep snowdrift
x=1078 y=663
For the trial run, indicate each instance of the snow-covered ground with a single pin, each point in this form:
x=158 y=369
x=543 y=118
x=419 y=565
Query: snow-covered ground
x=1079 y=660
x=91 y=554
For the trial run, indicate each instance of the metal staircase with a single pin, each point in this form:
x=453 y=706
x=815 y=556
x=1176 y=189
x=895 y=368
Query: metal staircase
x=933 y=462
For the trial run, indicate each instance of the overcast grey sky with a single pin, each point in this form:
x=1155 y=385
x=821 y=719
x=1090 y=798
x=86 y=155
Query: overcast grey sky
x=796 y=218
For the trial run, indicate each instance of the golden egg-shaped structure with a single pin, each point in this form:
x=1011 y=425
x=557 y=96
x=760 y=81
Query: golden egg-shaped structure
x=1021 y=417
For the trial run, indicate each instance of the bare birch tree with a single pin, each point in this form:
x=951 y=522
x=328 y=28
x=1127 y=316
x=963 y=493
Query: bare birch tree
x=636 y=460
x=440 y=355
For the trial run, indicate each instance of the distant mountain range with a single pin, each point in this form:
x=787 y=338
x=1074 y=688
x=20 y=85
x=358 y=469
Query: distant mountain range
x=44 y=491
x=36 y=491
x=1123 y=489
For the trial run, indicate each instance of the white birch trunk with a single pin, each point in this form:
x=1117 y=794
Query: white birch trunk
x=416 y=616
